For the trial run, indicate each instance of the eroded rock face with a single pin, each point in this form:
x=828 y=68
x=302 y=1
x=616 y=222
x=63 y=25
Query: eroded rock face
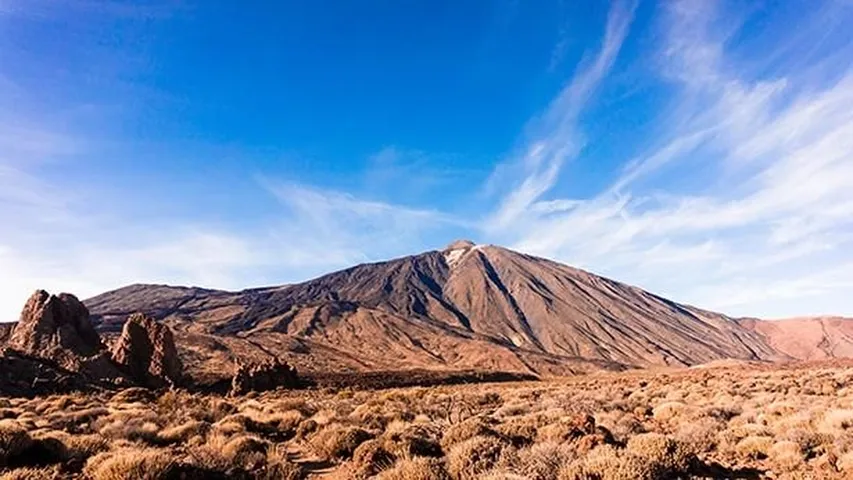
x=260 y=377
x=22 y=376
x=146 y=351
x=56 y=328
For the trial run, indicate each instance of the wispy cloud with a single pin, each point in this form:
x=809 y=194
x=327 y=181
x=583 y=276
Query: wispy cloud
x=358 y=229
x=554 y=137
x=772 y=212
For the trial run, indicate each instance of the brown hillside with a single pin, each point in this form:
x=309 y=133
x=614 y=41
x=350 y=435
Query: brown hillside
x=807 y=338
x=465 y=307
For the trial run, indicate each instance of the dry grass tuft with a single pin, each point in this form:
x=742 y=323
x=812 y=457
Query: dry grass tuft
x=475 y=456
x=420 y=468
x=338 y=441
x=131 y=464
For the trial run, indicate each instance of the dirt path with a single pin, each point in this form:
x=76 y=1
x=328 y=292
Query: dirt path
x=313 y=465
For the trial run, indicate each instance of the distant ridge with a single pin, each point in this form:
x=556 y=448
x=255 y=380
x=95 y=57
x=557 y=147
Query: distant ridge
x=807 y=338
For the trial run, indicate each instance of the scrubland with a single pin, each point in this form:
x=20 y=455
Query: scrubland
x=732 y=422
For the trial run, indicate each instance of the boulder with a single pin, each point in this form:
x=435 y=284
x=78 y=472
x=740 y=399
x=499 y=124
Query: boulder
x=55 y=328
x=146 y=352
x=22 y=376
x=259 y=377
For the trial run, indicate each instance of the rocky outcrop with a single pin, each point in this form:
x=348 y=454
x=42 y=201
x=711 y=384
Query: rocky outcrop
x=56 y=328
x=22 y=376
x=264 y=376
x=146 y=352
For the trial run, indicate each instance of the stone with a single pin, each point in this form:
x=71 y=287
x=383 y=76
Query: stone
x=260 y=377
x=55 y=328
x=146 y=352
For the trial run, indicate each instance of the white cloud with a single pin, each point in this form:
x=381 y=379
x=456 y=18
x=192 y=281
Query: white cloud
x=86 y=249
x=554 y=136
x=769 y=222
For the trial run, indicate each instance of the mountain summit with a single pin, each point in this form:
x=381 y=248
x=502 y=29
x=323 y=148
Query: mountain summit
x=467 y=306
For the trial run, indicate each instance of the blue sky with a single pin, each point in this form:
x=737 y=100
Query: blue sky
x=700 y=149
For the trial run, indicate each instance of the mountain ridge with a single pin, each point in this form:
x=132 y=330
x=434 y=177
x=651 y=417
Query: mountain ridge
x=466 y=306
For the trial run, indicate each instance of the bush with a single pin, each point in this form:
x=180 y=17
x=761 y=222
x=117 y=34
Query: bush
x=470 y=428
x=370 y=458
x=420 y=468
x=475 y=456
x=131 y=464
x=338 y=442
x=28 y=473
x=14 y=441
x=405 y=440
x=664 y=455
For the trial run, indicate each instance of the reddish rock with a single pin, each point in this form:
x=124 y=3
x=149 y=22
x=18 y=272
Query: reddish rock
x=260 y=377
x=146 y=351
x=55 y=328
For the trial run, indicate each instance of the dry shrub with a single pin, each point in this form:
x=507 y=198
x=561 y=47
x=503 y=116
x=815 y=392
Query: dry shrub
x=512 y=409
x=406 y=440
x=247 y=451
x=29 y=473
x=305 y=428
x=419 y=468
x=541 y=461
x=14 y=441
x=75 y=420
x=370 y=458
x=668 y=411
x=520 y=431
x=836 y=420
x=807 y=439
x=131 y=464
x=278 y=467
x=567 y=429
x=337 y=441
x=475 y=456
x=283 y=424
x=664 y=455
x=72 y=448
x=182 y=433
x=133 y=395
x=606 y=463
x=133 y=429
x=298 y=404
x=625 y=426
x=754 y=447
x=501 y=475
x=699 y=435
x=787 y=455
x=470 y=428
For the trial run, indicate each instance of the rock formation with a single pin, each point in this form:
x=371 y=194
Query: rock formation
x=22 y=376
x=55 y=328
x=264 y=376
x=146 y=352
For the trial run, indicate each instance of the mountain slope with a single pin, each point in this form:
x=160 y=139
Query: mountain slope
x=467 y=306
x=808 y=338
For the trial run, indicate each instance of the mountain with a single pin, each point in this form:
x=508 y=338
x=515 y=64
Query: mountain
x=806 y=338
x=467 y=306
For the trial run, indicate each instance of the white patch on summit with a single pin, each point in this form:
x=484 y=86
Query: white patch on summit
x=456 y=250
x=452 y=257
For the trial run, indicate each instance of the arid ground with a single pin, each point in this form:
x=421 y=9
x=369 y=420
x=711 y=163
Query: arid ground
x=730 y=420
